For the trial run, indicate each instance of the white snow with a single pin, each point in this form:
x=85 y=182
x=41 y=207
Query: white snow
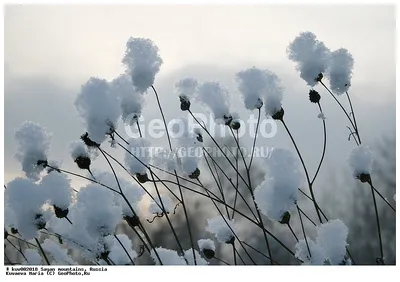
x=220 y=228
x=360 y=160
x=340 y=70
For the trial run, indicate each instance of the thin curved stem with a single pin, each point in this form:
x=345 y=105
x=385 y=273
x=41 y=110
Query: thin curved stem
x=305 y=170
x=324 y=148
x=354 y=118
x=377 y=221
x=125 y=250
x=304 y=231
x=255 y=138
x=42 y=251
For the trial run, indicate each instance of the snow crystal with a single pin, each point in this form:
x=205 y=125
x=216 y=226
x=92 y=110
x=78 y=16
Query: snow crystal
x=360 y=160
x=310 y=55
x=155 y=205
x=340 y=70
x=189 y=257
x=58 y=189
x=317 y=253
x=220 y=228
x=33 y=257
x=98 y=108
x=216 y=97
x=131 y=101
x=252 y=84
x=332 y=237
x=138 y=147
x=142 y=62
x=168 y=257
x=33 y=144
x=59 y=254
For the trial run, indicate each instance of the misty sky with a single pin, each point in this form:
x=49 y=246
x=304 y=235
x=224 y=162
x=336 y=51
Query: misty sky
x=50 y=51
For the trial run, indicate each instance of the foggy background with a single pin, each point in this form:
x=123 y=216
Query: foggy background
x=51 y=51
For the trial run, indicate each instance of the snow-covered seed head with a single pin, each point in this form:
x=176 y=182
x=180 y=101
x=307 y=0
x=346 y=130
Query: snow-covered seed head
x=33 y=143
x=132 y=221
x=279 y=115
x=252 y=84
x=340 y=70
x=89 y=142
x=276 y=196
x=142 y=62
x=188 y=255
x=207 y=247
x=79 y=154
x=310 y=55
x=217 y=98
x=303 y=250
x=98 y=108
x=138 y=155
x=314 y=96
x=142 y=177
x=360 y=160
x=59 y=212
x=222 y=229
x=235 y=124
x=130 y=100
x=167 y=257
x=332 y=237
x=195 y=174
x=185 y=89
x=273 y=94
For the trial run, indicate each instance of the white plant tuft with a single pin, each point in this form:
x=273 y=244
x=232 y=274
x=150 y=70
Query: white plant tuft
x=142 y=62
x=130 y=100
x=222 y=228
x=102 y=214
x=332 y=237
x=155 y=206
x=33 y=144
x=216 y=97
x=302 y=252
x=360 y=160
x=278 y=193
x=186 y=88
x=310 y=55
x=252 y=84
x=138 y=147
x=188 y=255
x=33 y=257
x=98 y=108
x=59 y=254
x=206 y=244
x=58 y=189
x=168 y=257
x=273 y=93
x=25 y=199
x=340 y=70
x=117 y=252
